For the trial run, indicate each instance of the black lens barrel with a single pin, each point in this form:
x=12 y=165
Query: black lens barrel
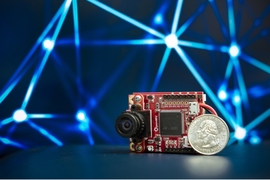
x=128 y=124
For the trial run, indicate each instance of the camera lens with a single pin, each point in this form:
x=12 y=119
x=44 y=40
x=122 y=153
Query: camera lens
x=125 y=125
x=128 y=124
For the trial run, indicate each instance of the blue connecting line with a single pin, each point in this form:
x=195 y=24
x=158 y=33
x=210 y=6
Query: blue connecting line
x=14 y=79
x=199 y=45
x=258 y=120
x=10 y=87
x=88 y=123
x=190 y=20
x=115 y=76
x=37 y=116
x=76 y=23
x=256 y=24
x=241 y=81
x=6 y=121
x=45 y=133
x=65 y=71
x=231 y=20
x=177 y=16
x=77 y=44
x=228 y=73
x=127 y=18
x=161 y=68
x=220 y=20
x=12 y=143
x=125 y=42
x=207 y=89
x=239 y=117
x=251 y=125
x=255 y=63
x=45 y=58
x=101 y=133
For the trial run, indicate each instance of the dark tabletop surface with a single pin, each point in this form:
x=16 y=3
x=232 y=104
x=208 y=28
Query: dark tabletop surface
x=83 y=161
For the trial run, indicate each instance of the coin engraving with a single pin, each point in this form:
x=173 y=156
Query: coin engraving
x=208 y=134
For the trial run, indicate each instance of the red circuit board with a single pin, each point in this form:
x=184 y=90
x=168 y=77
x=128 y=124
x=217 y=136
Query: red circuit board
x=170 y=114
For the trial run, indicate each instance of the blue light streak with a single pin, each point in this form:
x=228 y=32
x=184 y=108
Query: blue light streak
x=245 y=40
x=45 y=58
x=88 y=133
x=65 y=74
x=85 y=123
x=109 y=82
x=231 y=20
x=239 y=117
x=127 y=18
x=255 y=63
x=45 y=133
x=6 y=121
x=258 y=120
x=199 y=45
x=190 y=20
x=124 y=42
x=14 y=79
x=176 y=16
x=259 y=91
x=12 y=143
x=219 y=18
x=10 y=88
x=206 y=88
x=228 y=73
x=161 y=68
x=41 y=116
x=241 y=81
x=77 y=44
x=106 y=120
x=101 y=133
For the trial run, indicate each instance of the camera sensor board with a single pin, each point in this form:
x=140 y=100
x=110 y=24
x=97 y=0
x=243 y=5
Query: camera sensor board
x=171 y=115
x=160 y=122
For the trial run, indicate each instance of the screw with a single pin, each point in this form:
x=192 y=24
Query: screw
x=139 y=148
x=137 y=98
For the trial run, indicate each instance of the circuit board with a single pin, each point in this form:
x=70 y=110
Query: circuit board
x=167 y=116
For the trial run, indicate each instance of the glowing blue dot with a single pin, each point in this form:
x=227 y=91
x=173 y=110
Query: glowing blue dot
x=255 y=140
x=222 y=95
x=171 y=41
x=20 y=115
x=48 y=44
x=240 y=133
x=236 y=99
x=234 y=51
x=158 y=19
x=81 y=116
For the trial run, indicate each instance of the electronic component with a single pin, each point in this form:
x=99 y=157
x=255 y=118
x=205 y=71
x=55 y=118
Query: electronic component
x=159 y=121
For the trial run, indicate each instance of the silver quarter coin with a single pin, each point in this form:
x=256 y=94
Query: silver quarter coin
x=208 y=134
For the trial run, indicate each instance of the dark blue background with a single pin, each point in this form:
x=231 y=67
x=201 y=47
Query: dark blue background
x=108 y=71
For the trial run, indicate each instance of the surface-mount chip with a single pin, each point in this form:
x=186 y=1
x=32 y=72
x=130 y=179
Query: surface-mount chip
x=170 y=123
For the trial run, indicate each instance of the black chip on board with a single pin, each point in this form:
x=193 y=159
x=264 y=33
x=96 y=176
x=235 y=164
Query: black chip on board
x=170 y=123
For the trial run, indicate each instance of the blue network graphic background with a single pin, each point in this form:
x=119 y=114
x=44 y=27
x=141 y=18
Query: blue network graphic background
x=68 y=66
